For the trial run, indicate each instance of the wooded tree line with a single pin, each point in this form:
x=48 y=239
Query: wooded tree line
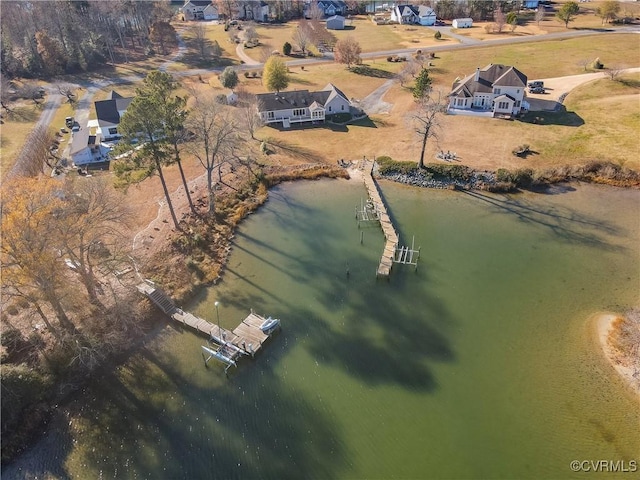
x=63 y=36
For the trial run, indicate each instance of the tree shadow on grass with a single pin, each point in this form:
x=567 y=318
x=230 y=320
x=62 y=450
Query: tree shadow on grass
x=369 y=71
x=293 y=150
x=367 y=122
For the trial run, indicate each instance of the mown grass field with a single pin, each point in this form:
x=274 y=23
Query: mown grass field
x=489 y=142
x=600 y=122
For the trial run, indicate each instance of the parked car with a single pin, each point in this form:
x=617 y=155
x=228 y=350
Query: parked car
x=536 y=90
x=69 y=122
x=536 y=84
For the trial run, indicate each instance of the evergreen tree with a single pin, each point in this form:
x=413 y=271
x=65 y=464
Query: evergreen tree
x=567 y=13
x=423 y=84
x=229 y=78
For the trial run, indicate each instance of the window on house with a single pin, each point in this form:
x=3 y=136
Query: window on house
x=329 y=108
x=518 y=104
x=518 y=90
x=342 y=107
x=497 y=91
x=503 y=105
x=113 y=131
x=298 y=112
x=271 y=115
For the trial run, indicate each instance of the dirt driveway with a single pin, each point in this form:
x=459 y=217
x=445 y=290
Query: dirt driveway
x=558 y=87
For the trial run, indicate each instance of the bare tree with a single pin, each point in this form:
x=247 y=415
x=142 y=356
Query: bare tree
x=215 y=137
x=614 y=71
x=302 y=35
x=410 y=70
x=539 y=15
x=200 y=41
x=347 y=51
x=584 y=63
x=90 y=230
x=314 y=12
x=500 y=19
x=33 y=92
x=425 y=119
x=6 y=95
x=35 y=154
x=248 y=106
x=68 y=91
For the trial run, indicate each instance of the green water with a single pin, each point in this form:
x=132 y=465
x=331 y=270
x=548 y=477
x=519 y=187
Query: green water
x=482 y=364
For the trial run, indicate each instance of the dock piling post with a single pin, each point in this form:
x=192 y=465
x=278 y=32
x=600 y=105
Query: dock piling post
x=361 y=236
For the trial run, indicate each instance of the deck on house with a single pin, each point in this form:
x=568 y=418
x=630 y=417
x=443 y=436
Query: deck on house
x=247 y=337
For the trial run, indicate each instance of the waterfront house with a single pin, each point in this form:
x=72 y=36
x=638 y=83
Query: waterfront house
x=495 y=90
x=299 y=106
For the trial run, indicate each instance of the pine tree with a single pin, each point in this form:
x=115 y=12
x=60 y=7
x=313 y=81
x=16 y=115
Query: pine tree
x=423 y=84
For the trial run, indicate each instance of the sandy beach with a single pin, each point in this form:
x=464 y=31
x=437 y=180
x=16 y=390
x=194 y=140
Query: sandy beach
x=604 y=324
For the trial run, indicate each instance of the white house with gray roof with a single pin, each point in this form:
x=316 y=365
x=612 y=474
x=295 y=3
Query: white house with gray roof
x=300 y=106
x=91 y=144
x=495 y=90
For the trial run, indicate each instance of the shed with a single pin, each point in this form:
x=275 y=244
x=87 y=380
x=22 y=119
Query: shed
x=462 y=22
x=335 y=23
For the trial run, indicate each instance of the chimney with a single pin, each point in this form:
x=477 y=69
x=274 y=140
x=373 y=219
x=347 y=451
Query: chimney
x=477 y=77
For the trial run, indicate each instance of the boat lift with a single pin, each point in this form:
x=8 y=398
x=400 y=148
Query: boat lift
x=226 y=353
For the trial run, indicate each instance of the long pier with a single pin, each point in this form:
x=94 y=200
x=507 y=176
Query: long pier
x=246 y=339
x=392 y=253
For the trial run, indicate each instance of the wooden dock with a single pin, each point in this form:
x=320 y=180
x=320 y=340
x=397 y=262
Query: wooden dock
x=246 y=339
x=392 y=252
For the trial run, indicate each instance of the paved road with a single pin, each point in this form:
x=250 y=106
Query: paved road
x=82 y=110
x=557 y=88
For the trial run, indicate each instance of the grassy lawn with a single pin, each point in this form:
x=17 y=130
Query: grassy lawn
x=600 y=122
x=611 y=118
x=193 y=58
x=15 y=129
x=538 y=59
x=315 y=77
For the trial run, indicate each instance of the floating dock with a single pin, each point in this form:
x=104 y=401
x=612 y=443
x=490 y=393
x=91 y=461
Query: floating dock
x=375 y=209
x=246 y=339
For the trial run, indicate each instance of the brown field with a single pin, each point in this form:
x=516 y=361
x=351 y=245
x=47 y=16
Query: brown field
x=567 y=137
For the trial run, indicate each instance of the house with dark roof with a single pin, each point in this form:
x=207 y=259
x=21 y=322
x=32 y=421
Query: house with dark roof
x=300 y=106
x=199 y=10
x=89 y=144
x=109 y=113
x=495 y=90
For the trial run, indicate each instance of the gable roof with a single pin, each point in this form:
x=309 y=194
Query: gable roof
x=407 y=10
x=198 y=3
x=269 y=102
x=108 y=110
x=488 y=77
x=424 y=11
x=337 y=4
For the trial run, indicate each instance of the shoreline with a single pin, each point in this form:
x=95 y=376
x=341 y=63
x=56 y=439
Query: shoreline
x=603 y=324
